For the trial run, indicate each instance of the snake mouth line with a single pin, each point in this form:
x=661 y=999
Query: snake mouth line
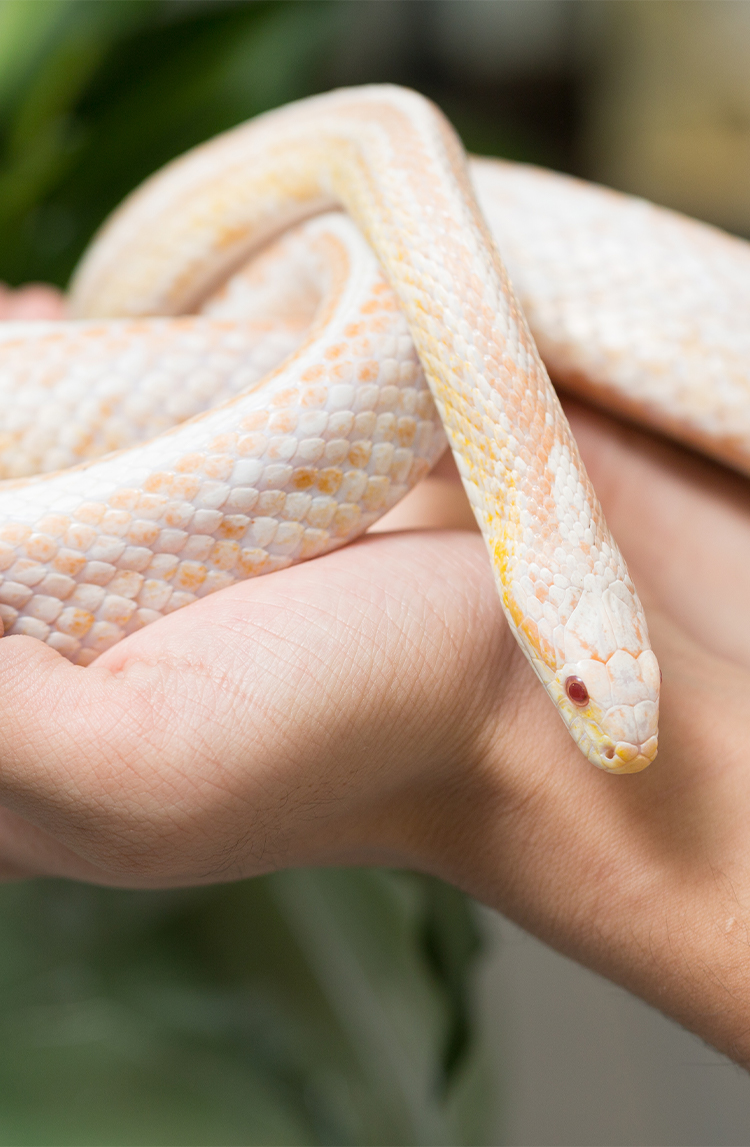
x=628 y=758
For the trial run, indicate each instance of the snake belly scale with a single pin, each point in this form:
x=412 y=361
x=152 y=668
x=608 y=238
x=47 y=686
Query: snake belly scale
x=365 y=318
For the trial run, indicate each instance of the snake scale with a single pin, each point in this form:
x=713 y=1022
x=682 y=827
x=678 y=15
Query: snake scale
x=204 y=416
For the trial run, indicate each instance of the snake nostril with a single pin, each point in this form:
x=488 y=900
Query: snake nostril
x=609 y=753
x=577 y=691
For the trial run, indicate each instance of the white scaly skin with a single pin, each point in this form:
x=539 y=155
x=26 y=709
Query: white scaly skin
x=265 y=480
x=637 y=307
x=273 y=475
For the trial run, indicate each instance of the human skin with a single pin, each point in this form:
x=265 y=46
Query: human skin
x=372 y=707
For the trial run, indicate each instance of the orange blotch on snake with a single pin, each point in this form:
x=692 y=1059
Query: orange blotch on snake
x=376 y=492
x=359 y=454
x=15 y=534
x=80 y=537
x=406 y=429
x=346 y=519
x=284 y=398
x=219 y=467
x=251 y=562
x=255 y=421
x=41 y=548
x=126 y=583
x=531 y=630
x=177 y=515
x=252 y=445
x=313 y=541
x=283 y=422
x=151 y=505
x=115 y=522
x=69 y=562
x=368 y=372
x=225 y=555
x=312 y=374
x=143 y=533
x=224 y=443
x=271 y=503
x=233 y=526
x=185 y=487
x=313 y=396
x=91 y=513
x=303 y=478
x=75 y=622
x=189 y=463
x=190 y=576
x=159 y=483
x=124 y=499
x=329 y=480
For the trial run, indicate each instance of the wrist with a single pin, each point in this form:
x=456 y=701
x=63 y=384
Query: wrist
x=636 y=877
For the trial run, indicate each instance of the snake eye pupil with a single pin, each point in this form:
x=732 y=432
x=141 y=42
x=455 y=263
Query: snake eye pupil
x=577 y=691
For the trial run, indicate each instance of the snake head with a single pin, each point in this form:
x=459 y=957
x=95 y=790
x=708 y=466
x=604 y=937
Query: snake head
x=612 y=708
x=607 y=687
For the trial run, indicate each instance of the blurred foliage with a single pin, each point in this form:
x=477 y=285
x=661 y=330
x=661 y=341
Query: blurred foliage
x=94 y=96
x=97 y=94
x=305 y=1007
x=301 y=1008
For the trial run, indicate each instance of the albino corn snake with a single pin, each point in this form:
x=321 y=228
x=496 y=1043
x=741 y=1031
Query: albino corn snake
x=620 y=295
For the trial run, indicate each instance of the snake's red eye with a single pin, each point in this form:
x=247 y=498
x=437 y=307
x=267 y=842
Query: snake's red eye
x=577 y=691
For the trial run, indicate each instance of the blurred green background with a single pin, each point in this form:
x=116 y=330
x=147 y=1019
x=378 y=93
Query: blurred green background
x=94 y=96
x=317 y=1007
x=323 y=1007
x=651 y=96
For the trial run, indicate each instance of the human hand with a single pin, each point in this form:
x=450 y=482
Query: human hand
x=372 y=707
x=33 y=301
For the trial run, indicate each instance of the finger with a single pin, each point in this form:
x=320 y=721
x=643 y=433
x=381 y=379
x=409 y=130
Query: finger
x=63 y=740
x=262 y=726
x=33 y=301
